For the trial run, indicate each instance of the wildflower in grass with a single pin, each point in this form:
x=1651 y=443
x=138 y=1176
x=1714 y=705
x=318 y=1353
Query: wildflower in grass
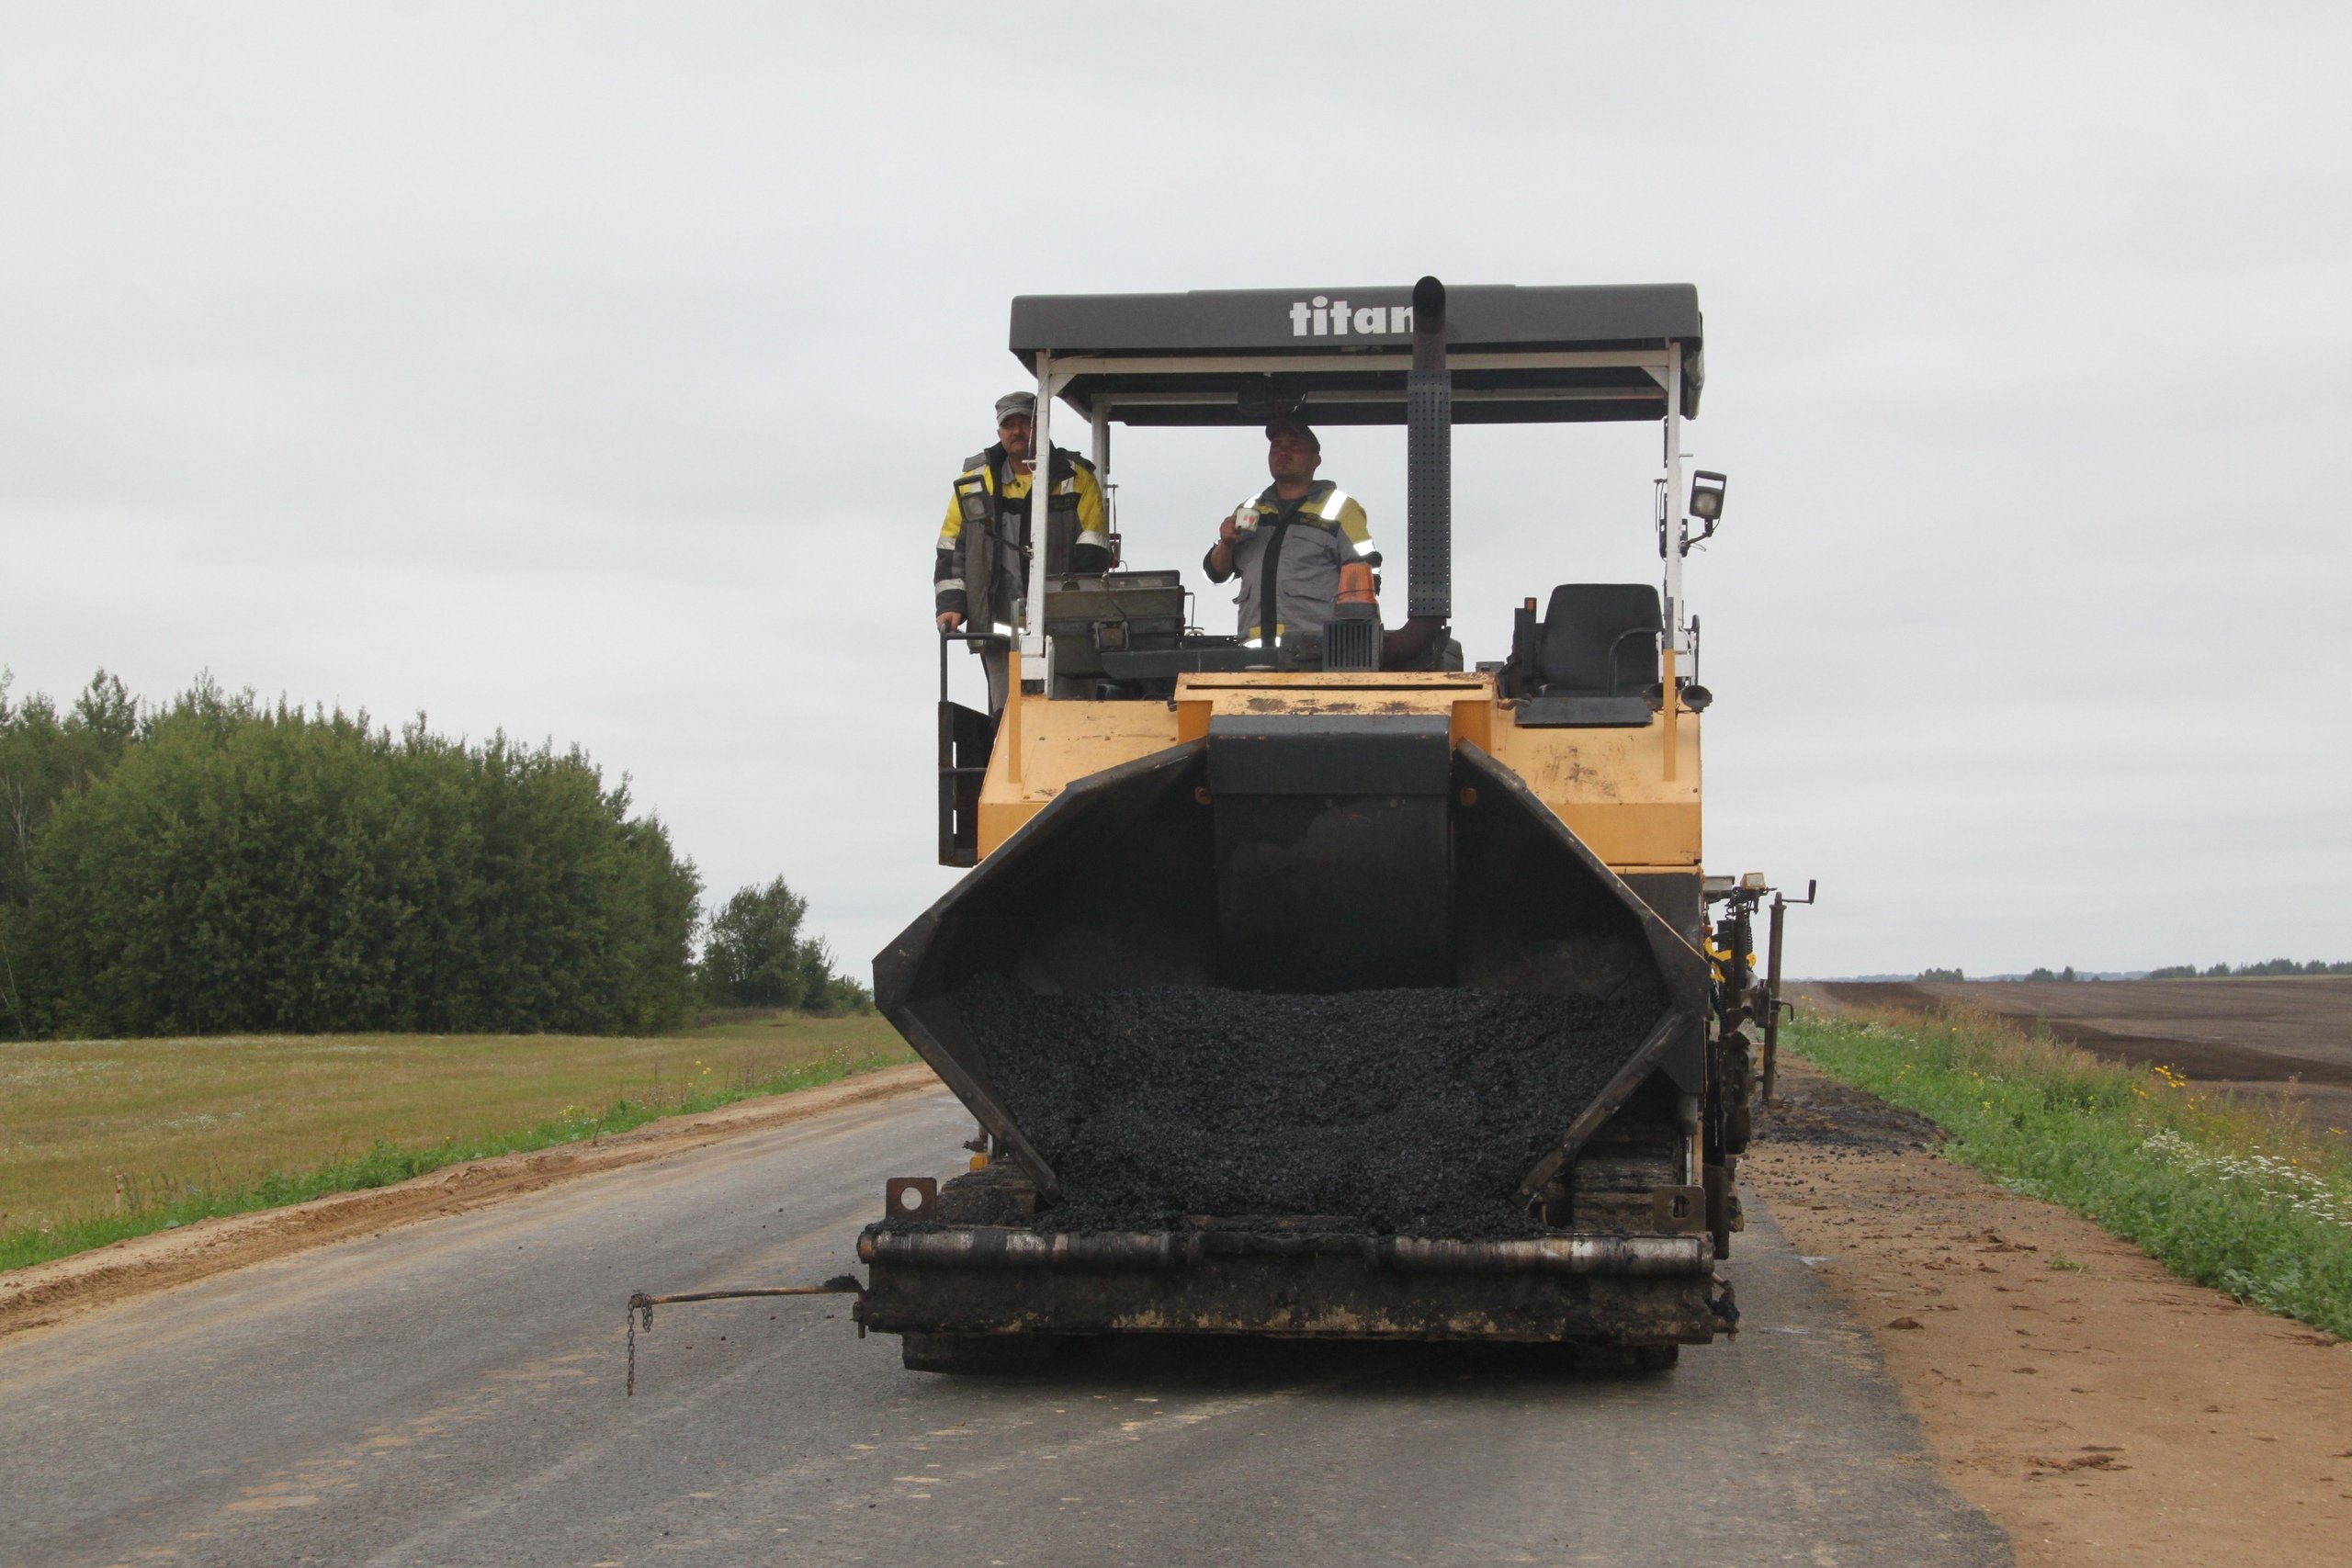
x=2281 y=1181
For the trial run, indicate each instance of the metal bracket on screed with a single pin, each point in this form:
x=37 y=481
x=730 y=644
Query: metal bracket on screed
x=911 y=1197
x=1781 y=902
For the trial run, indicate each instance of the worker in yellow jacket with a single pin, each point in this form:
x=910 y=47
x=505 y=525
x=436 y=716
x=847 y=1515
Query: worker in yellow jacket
x=981 y=577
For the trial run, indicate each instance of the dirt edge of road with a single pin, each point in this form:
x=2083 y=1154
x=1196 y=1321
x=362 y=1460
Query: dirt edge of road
x=48 y=1294
x=2096 y=1407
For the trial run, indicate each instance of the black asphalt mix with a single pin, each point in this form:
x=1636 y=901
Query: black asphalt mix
x=1409 y=1112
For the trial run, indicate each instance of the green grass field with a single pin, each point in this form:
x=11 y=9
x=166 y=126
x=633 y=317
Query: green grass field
x=214 y=1126
x=2238 y=1194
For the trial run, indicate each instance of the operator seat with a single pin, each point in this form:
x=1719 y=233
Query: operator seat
x=1599 y=640
x=1591 y=661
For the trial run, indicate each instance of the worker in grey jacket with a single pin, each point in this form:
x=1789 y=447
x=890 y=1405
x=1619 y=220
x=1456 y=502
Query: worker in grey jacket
x=1300 y=549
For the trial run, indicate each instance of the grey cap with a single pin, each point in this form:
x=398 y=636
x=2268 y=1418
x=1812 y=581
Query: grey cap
x=1022 y=404
x=1291 y=424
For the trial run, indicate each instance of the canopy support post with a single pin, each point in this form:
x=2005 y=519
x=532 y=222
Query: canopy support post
x=1033 y=644
x=1674 y=531
x=1677 y=526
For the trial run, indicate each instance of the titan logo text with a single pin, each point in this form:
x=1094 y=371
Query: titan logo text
x=1323 y=317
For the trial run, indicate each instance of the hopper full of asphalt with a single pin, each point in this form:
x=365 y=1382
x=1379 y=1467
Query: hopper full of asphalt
x=1412 y=1111
x=1174 y=993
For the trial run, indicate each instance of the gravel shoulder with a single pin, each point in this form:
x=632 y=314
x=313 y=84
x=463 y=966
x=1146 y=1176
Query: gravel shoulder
x=48 y=1294
x=2101 y=1412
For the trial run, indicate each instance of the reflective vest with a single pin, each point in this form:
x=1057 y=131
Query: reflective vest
x=983 y=571
x=1293 y=556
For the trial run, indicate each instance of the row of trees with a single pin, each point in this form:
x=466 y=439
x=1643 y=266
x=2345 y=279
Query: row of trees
x=2269 y=966
x=218 y=864
x=2176 y=970
x=2065 y=973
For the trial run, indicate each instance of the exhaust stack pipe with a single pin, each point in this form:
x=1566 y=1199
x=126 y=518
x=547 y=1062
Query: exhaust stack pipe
x=1429 y=462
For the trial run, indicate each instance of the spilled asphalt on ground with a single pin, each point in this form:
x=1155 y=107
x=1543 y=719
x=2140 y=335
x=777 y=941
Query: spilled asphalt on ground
x=450 y=1393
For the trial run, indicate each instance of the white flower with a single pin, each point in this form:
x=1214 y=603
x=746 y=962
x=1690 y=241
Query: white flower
x=2281 y=1181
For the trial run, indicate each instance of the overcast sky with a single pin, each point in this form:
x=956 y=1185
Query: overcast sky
x=597 y=373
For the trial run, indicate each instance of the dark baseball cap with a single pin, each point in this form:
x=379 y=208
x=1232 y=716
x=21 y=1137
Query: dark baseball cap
x=1291 y=424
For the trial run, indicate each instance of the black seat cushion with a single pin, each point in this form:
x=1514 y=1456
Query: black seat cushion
x=1593 y=638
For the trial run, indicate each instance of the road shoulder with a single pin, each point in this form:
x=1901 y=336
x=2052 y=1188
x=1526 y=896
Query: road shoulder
x=49 y=1293
x=2091 y=1411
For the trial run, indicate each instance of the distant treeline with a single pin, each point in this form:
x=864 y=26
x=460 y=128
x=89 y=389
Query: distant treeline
x=2176 y=971
x=2269 y=966
x=216 y=864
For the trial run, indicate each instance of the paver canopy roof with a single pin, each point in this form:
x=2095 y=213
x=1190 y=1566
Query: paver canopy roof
x=1338 y=356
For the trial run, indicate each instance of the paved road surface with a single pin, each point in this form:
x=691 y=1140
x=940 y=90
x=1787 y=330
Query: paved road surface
x=451 y=1394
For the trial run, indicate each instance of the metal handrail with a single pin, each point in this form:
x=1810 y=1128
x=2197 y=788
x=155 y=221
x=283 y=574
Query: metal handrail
x=1650 y=632
x=947 y=636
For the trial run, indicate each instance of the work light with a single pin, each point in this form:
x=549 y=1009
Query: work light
x=1707 y=495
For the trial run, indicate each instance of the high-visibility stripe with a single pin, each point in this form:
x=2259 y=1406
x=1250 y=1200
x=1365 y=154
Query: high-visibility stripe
x=948 y=585
x=1365 y=546
x=1333 y=504
x=947 y=541
x=1092 y=537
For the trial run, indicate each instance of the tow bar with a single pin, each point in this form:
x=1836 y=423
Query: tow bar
x=640 y=1308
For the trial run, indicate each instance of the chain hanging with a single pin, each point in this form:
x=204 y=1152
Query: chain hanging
x=641 y=1307
x=639 y=1316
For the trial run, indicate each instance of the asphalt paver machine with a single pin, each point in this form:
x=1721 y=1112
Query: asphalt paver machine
x=1216 y=885
x=1327 y=988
